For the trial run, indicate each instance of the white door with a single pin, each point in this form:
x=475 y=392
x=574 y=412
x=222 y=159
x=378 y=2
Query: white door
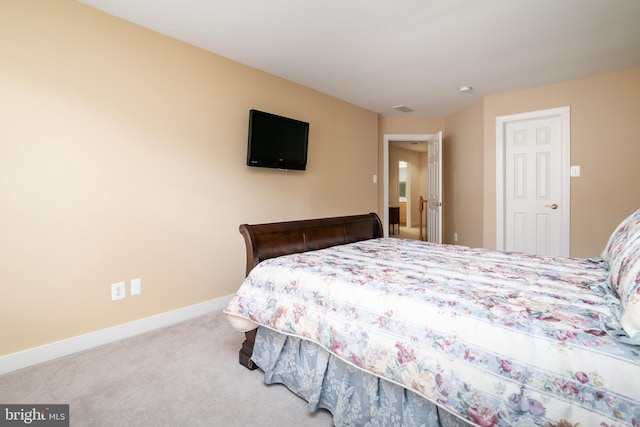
x=434 y=196
x=535 y=191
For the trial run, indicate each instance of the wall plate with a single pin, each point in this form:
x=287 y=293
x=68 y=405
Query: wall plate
x=118 y=291
x=136 y=286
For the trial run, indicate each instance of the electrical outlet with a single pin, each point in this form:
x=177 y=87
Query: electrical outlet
x=455 y=237
x=118 y=291
x=136 y=286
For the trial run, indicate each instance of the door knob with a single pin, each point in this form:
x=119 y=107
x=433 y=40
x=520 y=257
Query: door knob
x=553 y=206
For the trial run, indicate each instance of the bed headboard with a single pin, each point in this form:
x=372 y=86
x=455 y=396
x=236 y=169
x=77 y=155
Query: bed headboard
x=265 y=241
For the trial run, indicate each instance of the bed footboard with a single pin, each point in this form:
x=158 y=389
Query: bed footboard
x=264 y=241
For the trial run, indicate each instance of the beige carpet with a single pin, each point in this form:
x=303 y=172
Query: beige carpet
x=409 y=233
x=183 y=375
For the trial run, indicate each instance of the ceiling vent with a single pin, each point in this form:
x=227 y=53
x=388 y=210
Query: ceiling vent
x=403 y=108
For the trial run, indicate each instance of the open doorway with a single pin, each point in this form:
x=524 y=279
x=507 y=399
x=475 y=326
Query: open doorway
x=405 y=169
x=403 y=197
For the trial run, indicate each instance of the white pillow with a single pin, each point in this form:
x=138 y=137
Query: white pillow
x=622 y=252
x=628 y=288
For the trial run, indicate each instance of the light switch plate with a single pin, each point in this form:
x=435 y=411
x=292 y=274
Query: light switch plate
x=575 y=171
x=136 y=286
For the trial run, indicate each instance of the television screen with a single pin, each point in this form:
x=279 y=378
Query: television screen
x=276 y=141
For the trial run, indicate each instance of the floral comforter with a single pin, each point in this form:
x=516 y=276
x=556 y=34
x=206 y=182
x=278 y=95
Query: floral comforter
x=497 y=339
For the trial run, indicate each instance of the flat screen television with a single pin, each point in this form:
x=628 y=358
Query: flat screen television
x=277 y=142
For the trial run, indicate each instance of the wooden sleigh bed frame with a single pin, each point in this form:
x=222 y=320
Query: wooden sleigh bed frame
x=264 y=241
x=439 y=321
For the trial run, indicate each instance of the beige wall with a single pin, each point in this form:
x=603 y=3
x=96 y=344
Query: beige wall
x=463 y=146
x=604 y=142
x=122 y=155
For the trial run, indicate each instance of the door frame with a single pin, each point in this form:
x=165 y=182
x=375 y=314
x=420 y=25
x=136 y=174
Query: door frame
x=564 y=113
x=387 y=138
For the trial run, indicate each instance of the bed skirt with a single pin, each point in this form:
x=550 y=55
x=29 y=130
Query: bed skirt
x=353 y=397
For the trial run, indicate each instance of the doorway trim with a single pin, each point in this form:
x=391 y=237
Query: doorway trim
x=387 y=138
x=564 y=113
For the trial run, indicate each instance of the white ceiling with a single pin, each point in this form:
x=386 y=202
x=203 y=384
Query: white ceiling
x=381 y=53
x=418 y=146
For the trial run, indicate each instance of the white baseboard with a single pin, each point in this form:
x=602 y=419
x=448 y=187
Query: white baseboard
x=33 y=356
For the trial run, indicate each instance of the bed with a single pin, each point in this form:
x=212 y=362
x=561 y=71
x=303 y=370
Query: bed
x=387 y=331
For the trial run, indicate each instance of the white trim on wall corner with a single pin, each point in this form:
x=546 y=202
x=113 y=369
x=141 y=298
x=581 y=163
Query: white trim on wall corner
x=33 y=356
